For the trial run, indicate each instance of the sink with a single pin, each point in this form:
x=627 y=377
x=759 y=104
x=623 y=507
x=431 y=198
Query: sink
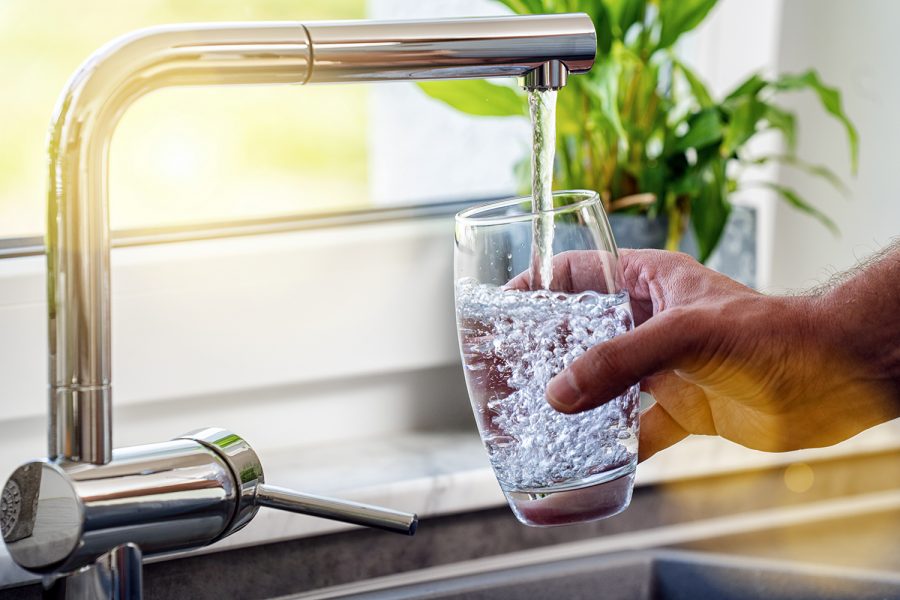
x=651 y=575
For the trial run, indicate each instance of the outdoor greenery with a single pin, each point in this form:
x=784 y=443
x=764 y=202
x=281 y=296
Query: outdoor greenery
x=180 y=156
x=643 y=129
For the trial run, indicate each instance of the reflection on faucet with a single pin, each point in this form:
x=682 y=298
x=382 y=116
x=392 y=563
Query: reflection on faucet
x=199 y=488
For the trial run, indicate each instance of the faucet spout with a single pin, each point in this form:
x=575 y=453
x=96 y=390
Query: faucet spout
x=451 y=48
x=543 y=49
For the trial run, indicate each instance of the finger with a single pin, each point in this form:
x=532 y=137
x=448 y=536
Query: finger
x=683 y=401
x=657 y=280
x=668 y=341
x=577 y=271
x=639 y=270
x=658 y=431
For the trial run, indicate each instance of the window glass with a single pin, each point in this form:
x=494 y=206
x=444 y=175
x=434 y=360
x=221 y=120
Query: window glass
x=187 y=155
x=191 y=156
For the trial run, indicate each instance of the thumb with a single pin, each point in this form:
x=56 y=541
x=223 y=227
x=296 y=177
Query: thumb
x=667 y=341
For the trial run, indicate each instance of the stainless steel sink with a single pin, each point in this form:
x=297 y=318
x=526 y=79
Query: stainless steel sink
x=656 y=575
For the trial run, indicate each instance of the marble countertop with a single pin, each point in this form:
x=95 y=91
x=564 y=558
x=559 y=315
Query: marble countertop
x=438 y=473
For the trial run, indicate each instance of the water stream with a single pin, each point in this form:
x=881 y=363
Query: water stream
x=542 y=106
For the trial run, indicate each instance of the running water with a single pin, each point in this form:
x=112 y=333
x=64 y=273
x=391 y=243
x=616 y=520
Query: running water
x=513 y=342
x=542 y=106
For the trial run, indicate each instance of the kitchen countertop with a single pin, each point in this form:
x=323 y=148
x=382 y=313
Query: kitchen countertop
x=435 y=473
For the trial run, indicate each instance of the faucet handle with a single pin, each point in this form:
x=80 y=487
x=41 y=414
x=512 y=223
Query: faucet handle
x=338 y=510
x=57 y=516
x=253 y=492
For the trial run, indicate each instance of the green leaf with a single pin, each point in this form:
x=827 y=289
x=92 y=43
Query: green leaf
x=710 y=209
x=603 y=25
x=831 y=101
x=679 y=16
x=749 y=87
x=652 y=179
x=572 y=114
x=605 y=93
x=794 y=199
x=623 y=14
x=696 y=85
x=785 y=122
x=816 y=170
x=477 y=97
x=744 y=115
x=705 y=129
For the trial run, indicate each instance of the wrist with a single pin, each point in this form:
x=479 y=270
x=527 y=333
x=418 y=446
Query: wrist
x=863 y=331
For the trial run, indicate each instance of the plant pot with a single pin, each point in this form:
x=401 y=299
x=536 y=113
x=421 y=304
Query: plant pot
x=735 y=255
x=639 y=231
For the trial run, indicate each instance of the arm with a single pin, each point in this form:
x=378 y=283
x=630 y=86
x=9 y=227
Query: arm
x=768 y=372
x=861 y=308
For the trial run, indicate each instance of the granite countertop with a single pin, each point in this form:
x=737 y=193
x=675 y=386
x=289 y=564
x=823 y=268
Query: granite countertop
x=435 y=473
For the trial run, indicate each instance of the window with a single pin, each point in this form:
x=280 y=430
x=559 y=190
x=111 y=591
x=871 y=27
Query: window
x=236 y=331
x=180 y=156
x=189 y=156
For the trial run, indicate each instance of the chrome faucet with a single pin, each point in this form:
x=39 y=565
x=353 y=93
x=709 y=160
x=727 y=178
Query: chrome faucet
x=90 y=510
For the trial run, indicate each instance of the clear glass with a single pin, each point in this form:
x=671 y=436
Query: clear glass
x=555 y=469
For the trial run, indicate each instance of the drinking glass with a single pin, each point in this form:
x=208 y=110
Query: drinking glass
x=515 y=334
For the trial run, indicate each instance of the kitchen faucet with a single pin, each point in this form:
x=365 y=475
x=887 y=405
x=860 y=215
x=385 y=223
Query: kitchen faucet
x=86 y=514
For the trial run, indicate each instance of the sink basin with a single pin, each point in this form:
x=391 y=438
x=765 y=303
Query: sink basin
x=651 y=575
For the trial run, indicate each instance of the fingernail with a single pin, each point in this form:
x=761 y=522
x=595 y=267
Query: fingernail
x=562 y=390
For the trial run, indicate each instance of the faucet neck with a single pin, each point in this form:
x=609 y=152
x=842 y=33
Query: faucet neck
x=543 y=48
x=78 y=239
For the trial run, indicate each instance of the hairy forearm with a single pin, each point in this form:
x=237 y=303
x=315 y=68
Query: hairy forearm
x=862 y=314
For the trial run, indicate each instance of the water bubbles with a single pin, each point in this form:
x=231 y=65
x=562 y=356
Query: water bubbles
x=534 y=335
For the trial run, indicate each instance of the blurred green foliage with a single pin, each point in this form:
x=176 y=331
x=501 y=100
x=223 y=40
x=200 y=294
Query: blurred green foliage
x=186 y=155
x=643 y=129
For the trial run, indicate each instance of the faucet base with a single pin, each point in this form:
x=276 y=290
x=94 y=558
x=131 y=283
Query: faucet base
x=117 y=575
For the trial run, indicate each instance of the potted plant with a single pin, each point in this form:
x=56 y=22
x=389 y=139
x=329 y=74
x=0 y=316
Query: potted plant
x=642 y=128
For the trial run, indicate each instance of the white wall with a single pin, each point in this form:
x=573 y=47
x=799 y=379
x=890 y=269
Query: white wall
x=855 y=46
x=736 y=39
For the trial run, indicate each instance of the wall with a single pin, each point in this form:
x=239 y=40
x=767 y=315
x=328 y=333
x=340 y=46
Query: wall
x=854 y=46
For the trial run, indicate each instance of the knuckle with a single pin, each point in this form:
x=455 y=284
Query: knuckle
x=684 y=258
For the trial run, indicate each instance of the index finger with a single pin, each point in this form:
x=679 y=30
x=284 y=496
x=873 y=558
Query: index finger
x=578 y=271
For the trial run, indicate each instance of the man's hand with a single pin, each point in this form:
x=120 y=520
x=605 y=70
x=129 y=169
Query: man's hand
x=768 y=372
